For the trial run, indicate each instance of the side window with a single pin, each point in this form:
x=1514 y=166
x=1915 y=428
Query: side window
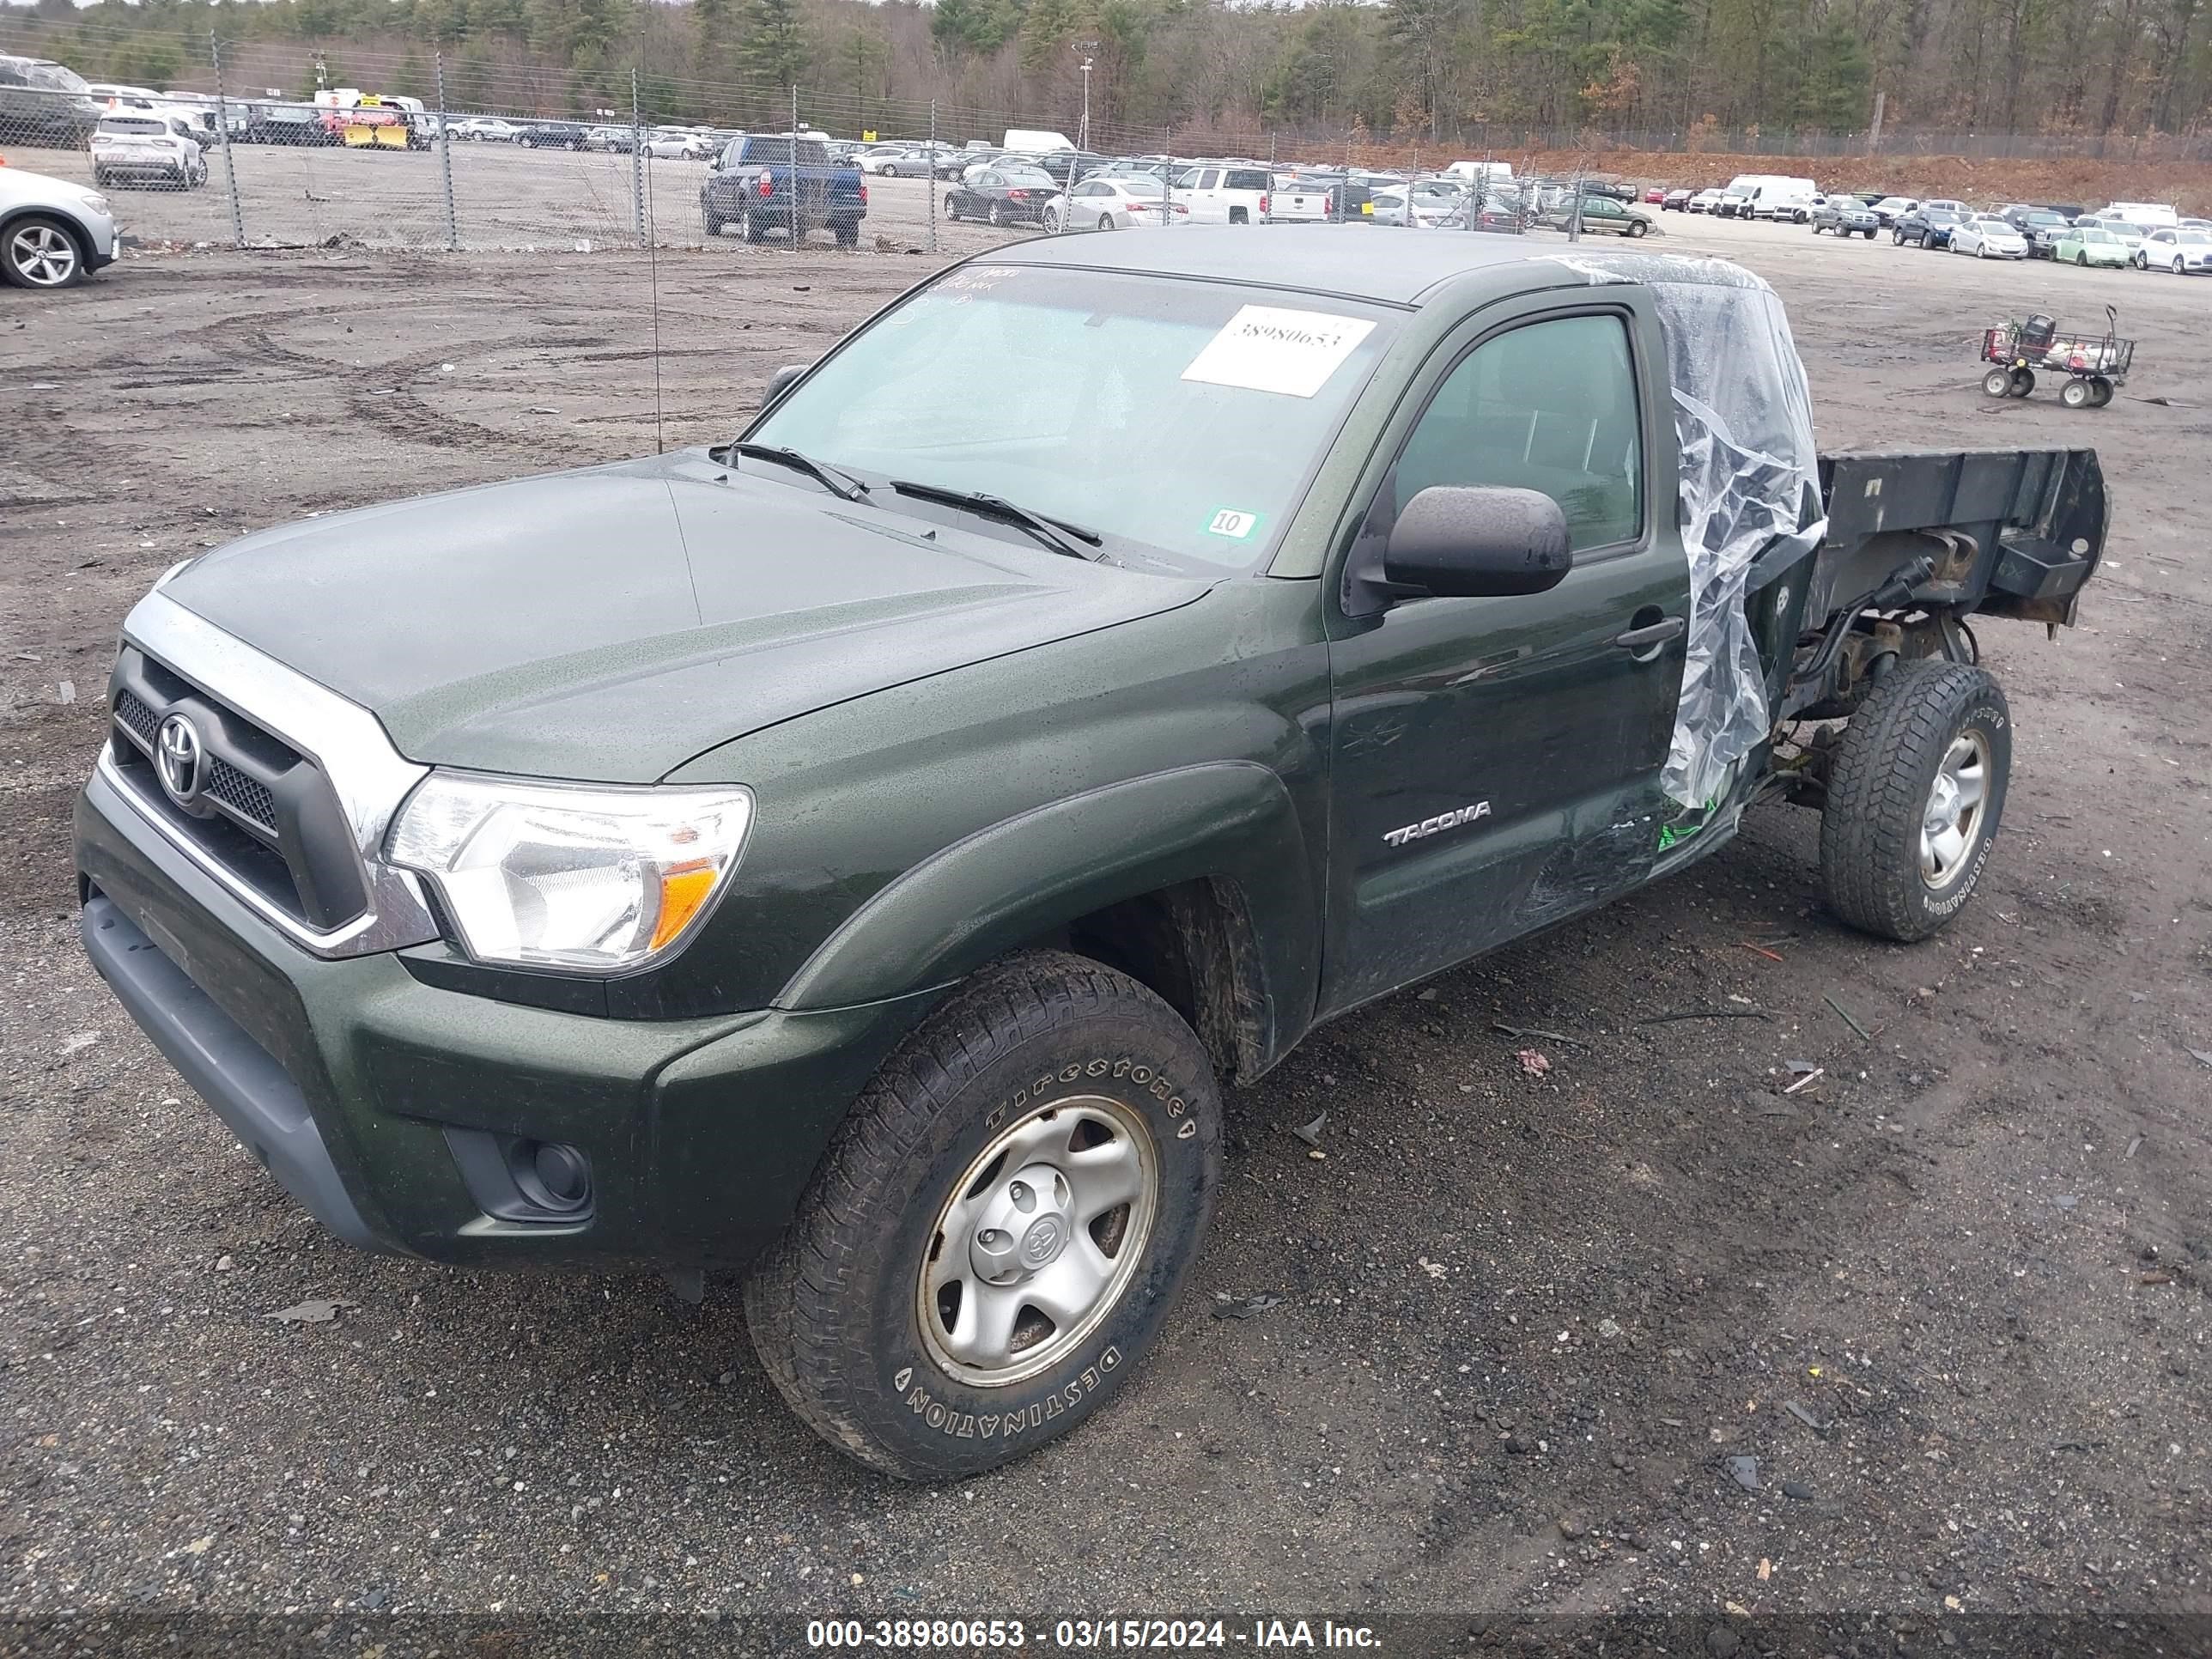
x=1209 y=179
x=1549 y=406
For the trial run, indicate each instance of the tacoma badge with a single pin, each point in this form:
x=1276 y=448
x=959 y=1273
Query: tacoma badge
x=1450 y=820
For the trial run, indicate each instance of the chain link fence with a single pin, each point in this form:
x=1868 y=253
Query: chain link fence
x=258 y=145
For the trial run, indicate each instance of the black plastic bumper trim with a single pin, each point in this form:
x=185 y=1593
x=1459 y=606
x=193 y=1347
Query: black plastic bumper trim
x=224 y=1066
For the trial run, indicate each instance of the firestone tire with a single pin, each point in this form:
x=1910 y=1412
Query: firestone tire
x=838 y=1311
x=1998 y=383
x=2076 y=394
x=1925 y=721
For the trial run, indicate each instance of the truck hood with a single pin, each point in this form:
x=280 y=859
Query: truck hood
x=609 y=623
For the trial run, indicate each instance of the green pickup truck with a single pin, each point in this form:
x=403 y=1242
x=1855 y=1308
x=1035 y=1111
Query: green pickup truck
x=859 y=855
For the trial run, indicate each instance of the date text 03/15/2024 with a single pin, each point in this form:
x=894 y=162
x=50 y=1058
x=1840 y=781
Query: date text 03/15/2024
x=1090 y=1635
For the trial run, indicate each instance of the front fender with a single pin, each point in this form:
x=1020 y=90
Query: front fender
x=1014 y=882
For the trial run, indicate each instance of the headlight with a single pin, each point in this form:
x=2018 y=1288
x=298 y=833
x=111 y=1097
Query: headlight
x=97 y=204
x=596 y=880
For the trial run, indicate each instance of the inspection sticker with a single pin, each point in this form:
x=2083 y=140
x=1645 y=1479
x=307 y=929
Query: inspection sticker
x=1267 y=349
x=1229 y=522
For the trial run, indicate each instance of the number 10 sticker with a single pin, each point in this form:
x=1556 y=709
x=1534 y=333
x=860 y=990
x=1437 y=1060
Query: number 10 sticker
x=1229 y=522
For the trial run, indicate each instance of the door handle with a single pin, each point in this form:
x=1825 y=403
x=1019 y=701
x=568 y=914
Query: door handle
x=1643 y=639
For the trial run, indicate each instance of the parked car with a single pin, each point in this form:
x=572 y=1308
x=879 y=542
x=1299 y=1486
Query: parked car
x=877 y=899
x=1733 y=204
x=552 y=135
x=1119 y=204
x=488 y=130
x=1425 y=205
x=2130 y=236
x=2040 y=228
x=54 y=233
x=1219 y=193
x=44 y=103
x=1003 y=194
x=2091 y=244
x=1847 y=216
x=1890 y=209
x=1656 y=196
x=874 y=159
x=682 y=144
x=613 y=139
x=1311 y=196
x=2180 y=251
x=1705 y=201
x=1602 y=213
x=145 y=149
x=1927 y=226
x=290 y=125
x=1988 y=236
x=1676 y=201
x=766 y=182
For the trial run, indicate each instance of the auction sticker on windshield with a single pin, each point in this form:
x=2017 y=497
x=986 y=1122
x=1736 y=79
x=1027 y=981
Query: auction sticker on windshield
x=1229 y=522
x=1268 y=348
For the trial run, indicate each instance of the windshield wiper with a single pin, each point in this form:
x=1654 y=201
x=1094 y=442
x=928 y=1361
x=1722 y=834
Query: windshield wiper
x=840 y=484
x=1053 y=533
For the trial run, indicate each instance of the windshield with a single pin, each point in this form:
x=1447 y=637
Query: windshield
x=1178 y=414
x=1030 y=177
x=52 y=77
x=2191 y=238
x=2096 y=236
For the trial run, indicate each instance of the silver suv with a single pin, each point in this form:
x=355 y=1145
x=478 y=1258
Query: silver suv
x=52 y=233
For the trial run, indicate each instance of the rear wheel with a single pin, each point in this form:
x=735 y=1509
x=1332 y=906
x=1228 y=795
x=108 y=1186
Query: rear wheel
x=999 y=1230
x=995 y=215
x=1914 y=798
x=1105 y=221
x=2023 y=382
x=2076 y=394
x=2100 y=392
x=750 y=228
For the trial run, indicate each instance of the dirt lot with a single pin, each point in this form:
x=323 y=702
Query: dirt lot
x=1523 y=1320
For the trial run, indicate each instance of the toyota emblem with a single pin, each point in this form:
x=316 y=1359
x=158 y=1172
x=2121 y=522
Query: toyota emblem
x=177 y=756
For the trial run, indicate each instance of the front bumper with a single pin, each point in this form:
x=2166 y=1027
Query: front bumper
x=364 y=1090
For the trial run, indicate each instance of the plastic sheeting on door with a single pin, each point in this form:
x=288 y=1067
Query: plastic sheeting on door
x=1743 y=420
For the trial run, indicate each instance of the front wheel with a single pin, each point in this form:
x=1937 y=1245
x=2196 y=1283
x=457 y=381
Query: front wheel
x=1998 y=383
x=1899 y=237
x=997 y=1235
x=996 y=215
x=1637 y=227
x=39 y=252
x=1914 y=798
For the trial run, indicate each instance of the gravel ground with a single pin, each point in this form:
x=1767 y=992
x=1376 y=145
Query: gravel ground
x=1524 y=1320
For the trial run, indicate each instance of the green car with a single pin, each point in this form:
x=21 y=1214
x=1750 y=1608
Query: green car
x=2090 y=247
x=1603 y=213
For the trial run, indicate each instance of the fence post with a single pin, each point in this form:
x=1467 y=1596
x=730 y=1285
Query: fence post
x=445 y=157
x=222 y=137
x=933 y=175
x=798 y=220
x=1267 y=217
x=636 y=159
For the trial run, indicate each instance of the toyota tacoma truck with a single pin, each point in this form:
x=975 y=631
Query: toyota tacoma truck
x=858 y=855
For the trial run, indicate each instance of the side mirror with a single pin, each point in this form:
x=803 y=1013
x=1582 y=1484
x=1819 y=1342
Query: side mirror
x=778 y=382
x=1478 y=542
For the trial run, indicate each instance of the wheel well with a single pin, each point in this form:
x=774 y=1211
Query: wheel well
x=75 y=231
x=1192 y=945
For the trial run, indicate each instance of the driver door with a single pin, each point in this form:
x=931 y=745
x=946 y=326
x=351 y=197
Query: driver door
x=1495 y=761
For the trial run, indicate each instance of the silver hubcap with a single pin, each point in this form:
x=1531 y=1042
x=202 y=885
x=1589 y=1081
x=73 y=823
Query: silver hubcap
x=43 y=254
x=1951 y=822
x=1039 y=1240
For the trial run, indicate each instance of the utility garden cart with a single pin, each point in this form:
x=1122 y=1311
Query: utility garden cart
x=2093 y=364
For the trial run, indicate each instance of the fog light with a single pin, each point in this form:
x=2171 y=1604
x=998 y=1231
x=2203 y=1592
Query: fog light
x=551 y=1175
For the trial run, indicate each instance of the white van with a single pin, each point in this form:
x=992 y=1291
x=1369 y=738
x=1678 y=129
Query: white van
x=1771 y=196
x=2152 y=216
x=1492 y=174
x=1030 y=141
